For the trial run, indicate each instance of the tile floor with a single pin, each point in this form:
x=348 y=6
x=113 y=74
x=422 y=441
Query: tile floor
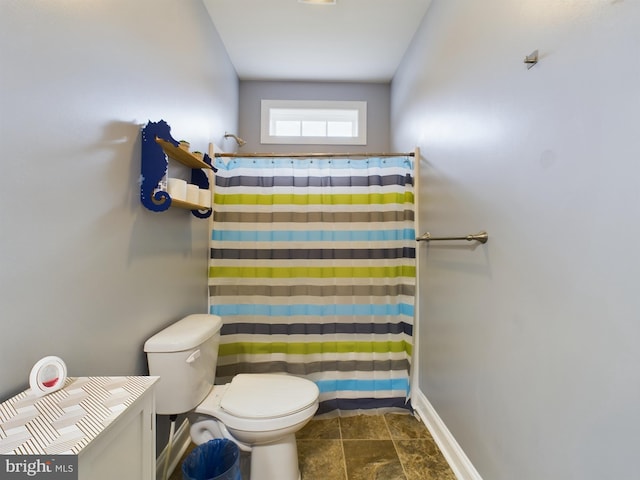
x=377 y=447
x=366 y=447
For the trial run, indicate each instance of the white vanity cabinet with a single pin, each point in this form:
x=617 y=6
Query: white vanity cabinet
x=107 y=422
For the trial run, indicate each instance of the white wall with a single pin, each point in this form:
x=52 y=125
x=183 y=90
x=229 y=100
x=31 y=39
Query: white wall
x=529 y=344
x=252 y=92
x=87 y=273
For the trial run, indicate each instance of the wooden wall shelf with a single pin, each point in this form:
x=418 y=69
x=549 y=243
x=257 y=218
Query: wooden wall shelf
x=182 y=156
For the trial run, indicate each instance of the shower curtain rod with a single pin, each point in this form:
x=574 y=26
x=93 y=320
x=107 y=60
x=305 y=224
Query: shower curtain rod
x=308 y=155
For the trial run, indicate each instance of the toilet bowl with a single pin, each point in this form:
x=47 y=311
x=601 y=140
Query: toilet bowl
x=259 y=412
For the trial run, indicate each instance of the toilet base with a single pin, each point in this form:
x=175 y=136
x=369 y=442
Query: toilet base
x=277 y=460
x=270 y=460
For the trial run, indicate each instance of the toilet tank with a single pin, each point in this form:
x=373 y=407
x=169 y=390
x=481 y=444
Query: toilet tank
x=184 y=355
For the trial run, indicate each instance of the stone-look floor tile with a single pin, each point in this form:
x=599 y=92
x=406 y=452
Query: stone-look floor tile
x=372 y=460
x=364 y=427
x=405 y=426
x=322 y=429
x=368 y=451
x=422 y=460
x=321 y=460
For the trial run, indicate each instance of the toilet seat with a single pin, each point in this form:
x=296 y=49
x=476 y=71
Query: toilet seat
x=267 y=395
x=261 y=402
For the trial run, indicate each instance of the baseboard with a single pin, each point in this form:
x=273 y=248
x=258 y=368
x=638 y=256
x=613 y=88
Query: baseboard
x=181 y=441
x=458 y=461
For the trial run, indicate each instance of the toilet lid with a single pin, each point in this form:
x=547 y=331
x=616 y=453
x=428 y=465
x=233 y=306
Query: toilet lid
x=267 y=395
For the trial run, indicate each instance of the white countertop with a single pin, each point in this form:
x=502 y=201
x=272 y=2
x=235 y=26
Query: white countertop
x=64 y=422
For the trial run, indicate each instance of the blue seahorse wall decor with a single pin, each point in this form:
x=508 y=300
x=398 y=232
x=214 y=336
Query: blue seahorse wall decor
x=155 y=166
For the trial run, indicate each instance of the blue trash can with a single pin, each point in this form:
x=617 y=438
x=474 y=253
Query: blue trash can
x=218 y=459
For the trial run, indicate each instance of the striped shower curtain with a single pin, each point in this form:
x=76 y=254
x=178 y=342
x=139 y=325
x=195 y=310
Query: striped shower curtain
x=312 y=270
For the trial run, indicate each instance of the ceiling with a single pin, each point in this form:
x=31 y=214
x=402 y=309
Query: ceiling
x=353 y=40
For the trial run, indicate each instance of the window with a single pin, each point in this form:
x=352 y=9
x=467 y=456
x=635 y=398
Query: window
x=314 y=122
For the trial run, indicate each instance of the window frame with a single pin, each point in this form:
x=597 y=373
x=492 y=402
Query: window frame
x=266 y=137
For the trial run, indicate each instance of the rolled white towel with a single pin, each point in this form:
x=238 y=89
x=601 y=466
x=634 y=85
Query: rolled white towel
x=205 y=428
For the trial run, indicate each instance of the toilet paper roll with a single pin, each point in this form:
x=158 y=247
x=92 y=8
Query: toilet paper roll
x=205 y=198
x=193 y=195
x=177 y=188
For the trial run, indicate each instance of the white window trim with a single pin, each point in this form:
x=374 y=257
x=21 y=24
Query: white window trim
x=267 y=138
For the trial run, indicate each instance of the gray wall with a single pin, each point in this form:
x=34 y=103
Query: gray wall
x=529 y=344
x=87 y=272
x=252 y=92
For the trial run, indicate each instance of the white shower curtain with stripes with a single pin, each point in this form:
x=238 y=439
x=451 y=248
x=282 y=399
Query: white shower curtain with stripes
x=312 y=269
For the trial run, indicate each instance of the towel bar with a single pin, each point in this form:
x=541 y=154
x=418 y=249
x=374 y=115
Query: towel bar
x=481 y=237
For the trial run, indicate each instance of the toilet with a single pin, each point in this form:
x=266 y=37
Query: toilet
x=259 y=412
